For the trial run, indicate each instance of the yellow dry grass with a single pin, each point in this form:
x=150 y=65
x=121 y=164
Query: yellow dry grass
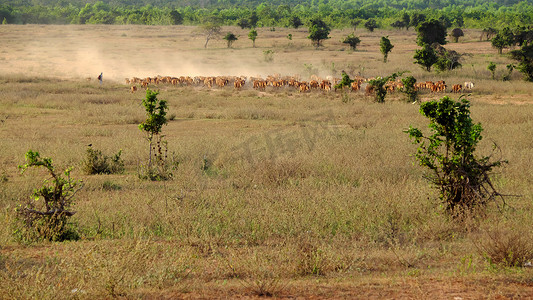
x=303 y=194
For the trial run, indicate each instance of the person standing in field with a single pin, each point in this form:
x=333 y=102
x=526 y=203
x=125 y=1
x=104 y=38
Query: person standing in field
x=100 y=77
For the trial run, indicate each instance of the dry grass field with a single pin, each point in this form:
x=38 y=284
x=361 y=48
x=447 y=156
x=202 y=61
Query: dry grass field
x=293 y=195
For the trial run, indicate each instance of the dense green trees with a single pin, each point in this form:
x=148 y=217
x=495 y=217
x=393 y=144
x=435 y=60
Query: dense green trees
x=256 y=13
x=318 y=31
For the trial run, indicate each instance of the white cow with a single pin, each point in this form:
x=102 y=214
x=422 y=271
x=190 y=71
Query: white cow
x=468 y=85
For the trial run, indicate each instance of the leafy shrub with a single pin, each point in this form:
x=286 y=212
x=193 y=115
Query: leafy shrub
x=45 y=215
x=98 y=163
x=461 y=177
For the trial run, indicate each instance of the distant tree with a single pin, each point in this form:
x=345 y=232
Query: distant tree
x=318 y=31
x=176 y=17
x=492 y=68
x=244 y=23
x=416 y=19
x=409 y=88
x=4 y=22
x=458 y=21
x=406 y=20
x=210 y=30
x=525 y=58
x=398 y=24
x=295 y=22
x=371 y=24
x=253 y=19
x=230 y=38
x=252 y=35
x=503 y=39
x=354 y=23
x=447 y=59
x=430 y=32
x=456 y=34
x=352 y=40
x=385 y=47
x=426 y=57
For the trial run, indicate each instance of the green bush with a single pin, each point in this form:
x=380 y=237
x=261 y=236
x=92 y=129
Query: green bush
x=462 y=178
x=44 y=216
x=98 y=163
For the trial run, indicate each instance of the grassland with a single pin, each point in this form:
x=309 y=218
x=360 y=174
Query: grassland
x=275 y=192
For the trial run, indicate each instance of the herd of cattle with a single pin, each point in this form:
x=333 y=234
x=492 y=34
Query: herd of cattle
x=278 y=82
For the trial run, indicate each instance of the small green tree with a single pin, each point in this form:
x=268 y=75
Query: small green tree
x=378 y=86
x=352 y=40
x=156 y=111
x=492 y=68
x=426 y=57
x=461 y=177
x=409 y=89
x=4 y=22
x=318 y=31
x=46 y=214
x=252 y=35
x=371 y=24
x=211 y=29
x=385 y=47
x=175 y=17
x=230 y=38
x=456 y=34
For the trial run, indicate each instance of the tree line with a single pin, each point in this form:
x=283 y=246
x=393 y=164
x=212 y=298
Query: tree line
x=337 y=13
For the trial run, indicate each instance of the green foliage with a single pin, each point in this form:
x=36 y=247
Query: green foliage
x=371 y=24
x=176 y=17
x=385 y=46
x=295 y=22
x=378 y=85
x=318 y=31
x=4 y=21
x=492 y=68
x=430 y=32
x=352 y=40
x=503 y=39
x=510 y=68
x=416 y=19
x=409 y=88
x=211 y=29
x=447 y=60
x=426 y=57
x=244 y=23
x=456 y=34
x=462 y=178
x=98 y=163
x=45 y=215
x=524 y=56
x=156 y=111
x=354 y=23
x=252 y=35
x=345 y=82
x=230 y=38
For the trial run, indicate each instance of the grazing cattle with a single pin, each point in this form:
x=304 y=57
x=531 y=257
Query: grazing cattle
x=303 y=87
x=469 y=85
x=456 y=88
x=369 y=90
x=133 y=89
x=356 y=85
x=313 y=84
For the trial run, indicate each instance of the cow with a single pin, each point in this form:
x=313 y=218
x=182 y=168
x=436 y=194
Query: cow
x=469 y=85
x=456 y=88
x=133 y=89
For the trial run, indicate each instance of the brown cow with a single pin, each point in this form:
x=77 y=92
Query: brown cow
x=133 y=89
x=456 y=88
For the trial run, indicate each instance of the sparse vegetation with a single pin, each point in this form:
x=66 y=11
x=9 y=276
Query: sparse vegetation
x=45 y=214
x=98 y=163
x=298 y=192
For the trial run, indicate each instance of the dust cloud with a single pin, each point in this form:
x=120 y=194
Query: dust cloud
x=79 y=52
